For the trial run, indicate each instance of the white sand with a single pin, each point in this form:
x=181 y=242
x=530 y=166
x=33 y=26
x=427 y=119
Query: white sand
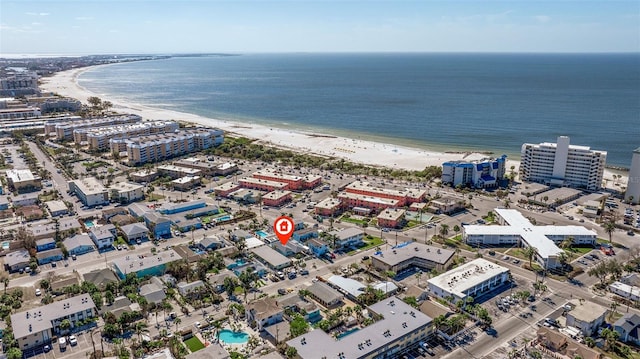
x=360 y=151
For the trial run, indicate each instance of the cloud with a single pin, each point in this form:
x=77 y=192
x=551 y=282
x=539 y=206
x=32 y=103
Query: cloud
x=19 y=29
x=84 y=18
x=37 y=13
x=113 y=31
x=542 y=18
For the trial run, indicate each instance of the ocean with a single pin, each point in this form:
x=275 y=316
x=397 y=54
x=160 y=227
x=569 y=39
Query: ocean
x=443 y=102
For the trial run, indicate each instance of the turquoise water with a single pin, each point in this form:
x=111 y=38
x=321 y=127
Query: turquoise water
x=350 y=331
x=88 y=224
x=223 y=218
x=262 y=234
x=231 y=337
x=491 y=102
x=5 y=245
x=238 y=263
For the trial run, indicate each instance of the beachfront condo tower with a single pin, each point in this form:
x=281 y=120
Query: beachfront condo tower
x=633 y=186
x=562 y=164
x=485 y=173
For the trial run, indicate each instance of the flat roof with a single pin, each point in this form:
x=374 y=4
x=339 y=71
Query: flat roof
x=56 y=206
x=367 y=198
x=562 y=194
x=467 y=276
x=173 y=168
x=277 y=194
x=586 y=311
x=347 y=285
x=347 y=233
x=125 y=186
x=276 y=174
x=226 y=186
x=328 y=203
x=39 y=319
x=412 y=250
x=135 y=263
x=89 y=185
x=185 y=179
x=392 y=214
x=271 y=256
x=269 y=183
x=324 y=292
x=398 y=319
x=20 y=175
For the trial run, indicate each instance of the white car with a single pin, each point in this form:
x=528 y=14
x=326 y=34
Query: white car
x=73 y=340
x=38 y=292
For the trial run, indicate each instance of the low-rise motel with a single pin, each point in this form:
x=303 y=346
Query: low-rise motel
x=36 y=327
x=517 y=229
x=409 y=255
x=400 y=328
x=471 y=279
x=142 y=266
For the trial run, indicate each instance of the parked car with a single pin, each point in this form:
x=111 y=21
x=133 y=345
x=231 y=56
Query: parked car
x=73 y=341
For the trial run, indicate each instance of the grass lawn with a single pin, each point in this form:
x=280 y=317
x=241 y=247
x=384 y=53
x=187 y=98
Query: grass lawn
x=581 y=250
x=154 y=197
x=370 y=243
x=353 y=220
x=206 y=220
x=194 y=344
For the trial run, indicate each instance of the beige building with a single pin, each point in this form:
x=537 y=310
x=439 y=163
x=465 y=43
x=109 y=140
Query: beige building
x=154 y=148
x=174 y=171
x=97 y=138
x=23 y=180
x=186 y=183
x=126 y=192
x=35 y=327
x=90 y=191
x=413 y=255
x=64 y=130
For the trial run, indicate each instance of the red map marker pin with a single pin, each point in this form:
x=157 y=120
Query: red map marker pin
x=283 y=227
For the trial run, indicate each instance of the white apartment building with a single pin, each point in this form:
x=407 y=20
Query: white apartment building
x=517 y=229
x=153 y=148
x=483 y=173
x=633 y=186
x=468 y=280
x=562 y=164
x=90 y=191
x=97 y=138
x=126 y=192
x=64 y=130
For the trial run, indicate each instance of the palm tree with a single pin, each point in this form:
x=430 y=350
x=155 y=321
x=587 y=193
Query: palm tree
x=444 y=230
x=141 y=327
x=418 y=275
x=5 y=281
x=530 y=252
x=456 y=229
x=217 y=325
x=177 y=321
x=609 y=228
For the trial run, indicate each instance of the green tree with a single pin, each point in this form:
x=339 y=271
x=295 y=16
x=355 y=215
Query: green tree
x=609 y=228
x=141 y=328
x=5 y=282
x=530 y=252
x=65 y=325
x=456 y=229
x=44 y=284
x=177 y=321
x=444 y=230
x=291 y=352
x=412 y=301
x=298 y=326
x=14 y=353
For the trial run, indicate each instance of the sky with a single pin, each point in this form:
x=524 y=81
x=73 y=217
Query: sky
x=202 y=26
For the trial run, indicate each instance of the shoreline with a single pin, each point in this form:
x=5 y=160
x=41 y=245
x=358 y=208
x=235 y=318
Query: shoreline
x=364 y=151
x=361 y=151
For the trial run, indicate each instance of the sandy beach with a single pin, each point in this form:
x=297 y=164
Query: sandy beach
x=359 y=151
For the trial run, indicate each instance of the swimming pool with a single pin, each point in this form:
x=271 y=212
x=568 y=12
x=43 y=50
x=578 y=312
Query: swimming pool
x=231 y=337
x=88 y=223
x=223 y=218
x=262 y=234
x=344 y=334
x=238 y=263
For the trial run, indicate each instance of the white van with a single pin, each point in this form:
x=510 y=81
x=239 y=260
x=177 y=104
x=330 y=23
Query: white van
x=62 y=342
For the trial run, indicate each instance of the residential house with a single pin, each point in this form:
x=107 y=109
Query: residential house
x=217 y=280
x=26 y=199
x=110 y=212
x=138 y=209
x=135 y=232
x=79 y=244
x=103 y=236
x=144 y=266
x=324 y=294
x=271 y=258
x=49 y=256
x=264 y=312
x=305 y=234
x=292 y=248
x=586 y=316
x=628 y=326
x=17 y=260
x=561 y=344
x=318 y=247
x=211 y=243
x=348 y=238
x=188 y=289
x=45 y=244
x=100 y=277
x=159 y=225
x=57 y=208
x=153 y=292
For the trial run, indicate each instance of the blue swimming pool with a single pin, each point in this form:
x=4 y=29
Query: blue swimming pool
x=238 y=263
x=223 y=218
x=88 y=223
x=344 y=334
x=231 y=337
x=262 y=234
